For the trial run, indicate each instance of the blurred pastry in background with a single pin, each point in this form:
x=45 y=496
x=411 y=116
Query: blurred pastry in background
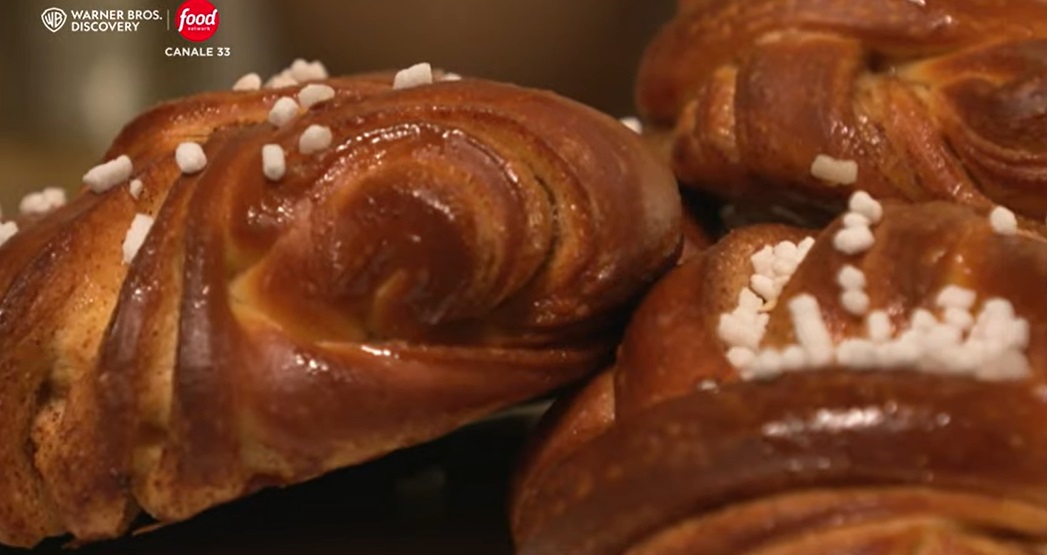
x=794 y=105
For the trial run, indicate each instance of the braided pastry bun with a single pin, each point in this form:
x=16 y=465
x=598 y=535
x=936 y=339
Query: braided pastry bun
x=402 y=263
x=933 y=99
x=921 y=431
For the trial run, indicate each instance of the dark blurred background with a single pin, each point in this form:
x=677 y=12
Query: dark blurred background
x=67 y=93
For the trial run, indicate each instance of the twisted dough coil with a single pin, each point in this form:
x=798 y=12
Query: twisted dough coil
x=934 y=99
x=671 y=453
x=458 y=248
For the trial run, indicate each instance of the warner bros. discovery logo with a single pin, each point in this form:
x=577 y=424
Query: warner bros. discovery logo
x=53 y=18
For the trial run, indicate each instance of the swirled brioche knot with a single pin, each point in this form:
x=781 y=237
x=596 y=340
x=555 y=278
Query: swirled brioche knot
x=788 y=394
x=931 y=99
x=271 y=283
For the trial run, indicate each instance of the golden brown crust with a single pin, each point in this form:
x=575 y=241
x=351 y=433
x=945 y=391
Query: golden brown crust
x=715 y=450
x=458 y=248
x=686 y=458
x=887 y=520
x=942 y=99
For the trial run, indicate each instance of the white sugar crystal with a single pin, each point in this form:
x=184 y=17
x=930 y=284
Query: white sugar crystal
x=786 y=249
x=249 y=82
x=136 y=235
x=804 y=247
x=850 y=278
x=835 y=171
x=747 y=300
x=764 y=287
x=794 y=358
x=105 y=176
x=314 y=94
x=42 y=202
x=991 y=329
x=414 y=76
x=939 y=359
x=54 y=196
x=901 y=352
x=1003 y=221
x=997 y=324
x=922 y=320
x=958 y=318
x=979 y=352
x=740 y=357
x=853 y=240
x=778 y=263
x=980 y=348
x=763 y=261
x=7 y=231
x=854 y=219
x=448 y=76
x=755 y=371
x=785 y=267
x=190 y=157
x=745 y=327
x=943 y=336
x=314 y=139
x=1006 y=366
x=811 y=330
x=1018 y=335
x=273 y=162
x=632 y=123
x=733 y=331
x=855 y=302
x=914 y=337
x=878 y=326
x=768 y=363
x=761 y=322
x=863 y=203
x=283 y=111
x=996 y=307
x=280 y=80
x=956 y=360
x=135 y=188
x=302 y=70
x=738 y=330
x=954 y=296
x=860 y=354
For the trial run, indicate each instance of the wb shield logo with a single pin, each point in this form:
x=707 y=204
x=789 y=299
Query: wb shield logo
x=53 y=18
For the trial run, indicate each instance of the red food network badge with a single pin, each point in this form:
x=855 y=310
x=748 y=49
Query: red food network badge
x=197 y=20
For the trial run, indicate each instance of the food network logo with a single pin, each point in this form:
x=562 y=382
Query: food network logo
x=197 y=20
